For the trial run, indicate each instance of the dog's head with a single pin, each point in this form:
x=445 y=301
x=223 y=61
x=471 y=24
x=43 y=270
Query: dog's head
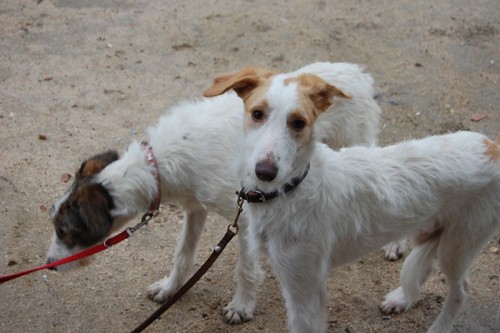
x=81 y=217
x=280 y=111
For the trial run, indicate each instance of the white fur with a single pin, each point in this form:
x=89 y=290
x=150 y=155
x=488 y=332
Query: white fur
x=355 y=200
x=196 y=144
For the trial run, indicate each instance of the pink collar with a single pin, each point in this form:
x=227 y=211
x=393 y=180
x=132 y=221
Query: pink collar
x=151 y=160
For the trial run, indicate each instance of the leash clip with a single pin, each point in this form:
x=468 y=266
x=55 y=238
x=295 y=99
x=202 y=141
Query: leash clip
x=144 y=221
x=239 y=209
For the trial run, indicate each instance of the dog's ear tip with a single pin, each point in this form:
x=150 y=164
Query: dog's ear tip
x=96 y=163
x=209 y=93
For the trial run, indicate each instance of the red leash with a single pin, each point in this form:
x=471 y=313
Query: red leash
x=85 y=253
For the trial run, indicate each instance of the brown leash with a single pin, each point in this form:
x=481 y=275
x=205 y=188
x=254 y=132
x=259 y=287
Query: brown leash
x=201 y=271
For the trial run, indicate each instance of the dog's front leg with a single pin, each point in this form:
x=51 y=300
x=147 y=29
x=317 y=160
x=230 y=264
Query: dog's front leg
x=247 y=276
x=303 y=277
x=184 y=257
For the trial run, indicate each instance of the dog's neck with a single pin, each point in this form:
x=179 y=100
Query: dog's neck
x=132 y=181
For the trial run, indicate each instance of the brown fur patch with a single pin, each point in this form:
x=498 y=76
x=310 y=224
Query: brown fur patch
x=319 y=91
x=91 y=168
x=242 y=82
x=492 y=149
x=84 y=218
x=426 y=236
x=95 y=164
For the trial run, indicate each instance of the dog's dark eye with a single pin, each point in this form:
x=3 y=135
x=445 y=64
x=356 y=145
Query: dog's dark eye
x=298 y=124
x=257 y=115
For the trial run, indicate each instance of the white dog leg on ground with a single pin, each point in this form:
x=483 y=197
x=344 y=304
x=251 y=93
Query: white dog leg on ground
x=416 y=269
x=300 y=278
x=184 y=257
x=456 y=257
x=248 y=275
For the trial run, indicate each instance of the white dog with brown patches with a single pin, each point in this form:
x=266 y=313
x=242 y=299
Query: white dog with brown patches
x=195 y=146
x=444 y=191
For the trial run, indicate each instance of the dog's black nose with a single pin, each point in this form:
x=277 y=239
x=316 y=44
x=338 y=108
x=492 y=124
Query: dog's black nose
x=49 y=261
x=266 y=171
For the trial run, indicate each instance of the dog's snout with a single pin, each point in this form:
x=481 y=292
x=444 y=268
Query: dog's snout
x=52 y=210
x=50 y=261
x=266 y=171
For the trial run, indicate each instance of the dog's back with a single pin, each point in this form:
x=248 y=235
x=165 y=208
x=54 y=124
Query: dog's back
x=198 y=163
x=437 y=178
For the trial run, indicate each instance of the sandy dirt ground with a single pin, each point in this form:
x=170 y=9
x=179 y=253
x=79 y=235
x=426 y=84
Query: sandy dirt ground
x=80 y=76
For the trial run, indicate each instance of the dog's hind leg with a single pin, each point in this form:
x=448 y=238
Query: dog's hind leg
x=184 y=256
x=416 y=269
x=457 y=250
x=248 y=276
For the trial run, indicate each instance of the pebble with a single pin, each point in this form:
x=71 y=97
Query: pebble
x=478 y=117
x=11 y=262
x=65 y=177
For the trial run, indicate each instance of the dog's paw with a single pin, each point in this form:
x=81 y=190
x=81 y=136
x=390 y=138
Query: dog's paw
x=236 y=314
x=395 y=302
x=395 y=250
x=162 y=290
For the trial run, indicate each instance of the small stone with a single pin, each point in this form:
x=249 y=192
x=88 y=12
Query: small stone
x=11 y=262
x=478 y=117
x=66 y=177
x=494 y=249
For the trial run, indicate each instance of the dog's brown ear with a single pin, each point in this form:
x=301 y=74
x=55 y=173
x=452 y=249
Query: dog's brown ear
x=95 y=211
x=322 y=97
x=242 y=82
x=319 y=91
x=85 y=217
x=95 y=164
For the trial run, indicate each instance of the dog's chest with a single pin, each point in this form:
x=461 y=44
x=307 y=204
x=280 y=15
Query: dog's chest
x=272 y=225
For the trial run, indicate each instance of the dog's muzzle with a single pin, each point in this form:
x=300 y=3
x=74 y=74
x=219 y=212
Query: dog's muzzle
x=266 y=171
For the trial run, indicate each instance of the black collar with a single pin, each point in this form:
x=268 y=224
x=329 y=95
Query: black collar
x=257 y=196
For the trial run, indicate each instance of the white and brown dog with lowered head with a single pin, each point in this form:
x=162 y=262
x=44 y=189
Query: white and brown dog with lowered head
x=195 y=145
x=444 y=191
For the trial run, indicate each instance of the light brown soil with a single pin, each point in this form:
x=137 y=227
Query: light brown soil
x=80 y=76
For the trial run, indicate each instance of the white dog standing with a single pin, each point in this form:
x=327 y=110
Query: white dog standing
x=313 y=208
x=194 y=145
